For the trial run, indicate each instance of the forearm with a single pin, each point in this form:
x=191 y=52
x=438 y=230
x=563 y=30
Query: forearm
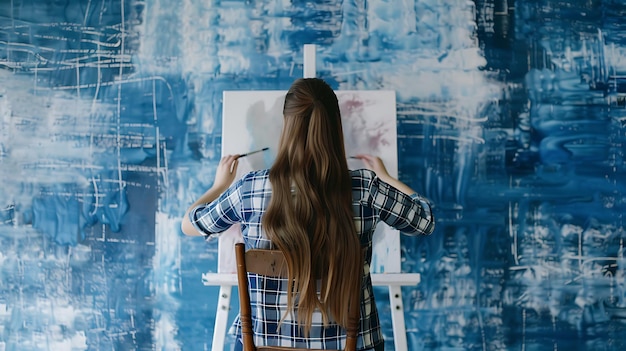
x=411 y=214
x=186 y=226
x=376 y=165
x=224 y=176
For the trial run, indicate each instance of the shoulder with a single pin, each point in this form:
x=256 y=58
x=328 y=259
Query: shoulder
x=361 y=175
x=362 y=179
x=254 y=180
x=259 y=174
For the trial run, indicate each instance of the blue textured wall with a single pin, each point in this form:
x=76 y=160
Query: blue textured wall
x=511 y=119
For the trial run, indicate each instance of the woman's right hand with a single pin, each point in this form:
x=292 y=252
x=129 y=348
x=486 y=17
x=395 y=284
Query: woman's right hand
x=375 y=164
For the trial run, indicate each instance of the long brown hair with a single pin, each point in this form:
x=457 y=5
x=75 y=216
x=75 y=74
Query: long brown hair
x=310 y=216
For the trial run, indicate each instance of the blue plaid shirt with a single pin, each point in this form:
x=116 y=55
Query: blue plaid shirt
x=373 y=201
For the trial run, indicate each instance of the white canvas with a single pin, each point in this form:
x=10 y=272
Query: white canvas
x=252 y=120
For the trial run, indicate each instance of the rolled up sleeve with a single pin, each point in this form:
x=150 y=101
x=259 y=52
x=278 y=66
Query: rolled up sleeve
x=219 y=215
x=410 y=214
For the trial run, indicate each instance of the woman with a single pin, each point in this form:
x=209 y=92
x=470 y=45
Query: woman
x=303 y=205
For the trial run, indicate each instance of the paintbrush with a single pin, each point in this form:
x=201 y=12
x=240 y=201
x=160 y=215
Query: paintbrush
x=253 y=152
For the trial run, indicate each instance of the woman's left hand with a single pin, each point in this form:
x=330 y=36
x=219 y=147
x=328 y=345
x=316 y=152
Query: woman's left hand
x=226 y=172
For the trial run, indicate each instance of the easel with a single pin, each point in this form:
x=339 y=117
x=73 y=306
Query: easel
x=394 y=281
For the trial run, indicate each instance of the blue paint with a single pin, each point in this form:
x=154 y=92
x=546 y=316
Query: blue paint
x=511 y=120
x=56 y=216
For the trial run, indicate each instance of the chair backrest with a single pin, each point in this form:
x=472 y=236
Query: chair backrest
x=272 y=263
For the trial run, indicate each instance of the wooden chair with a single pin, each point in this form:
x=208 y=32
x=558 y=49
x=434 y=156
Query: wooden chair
x=272 y=263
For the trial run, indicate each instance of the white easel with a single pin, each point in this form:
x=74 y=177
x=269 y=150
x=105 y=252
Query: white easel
x=394 y=281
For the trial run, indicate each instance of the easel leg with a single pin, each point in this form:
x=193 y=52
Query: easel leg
x=397 y=317
x=221 y=318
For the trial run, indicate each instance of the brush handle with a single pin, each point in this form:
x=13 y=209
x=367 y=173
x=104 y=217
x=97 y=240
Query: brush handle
x=253 y=152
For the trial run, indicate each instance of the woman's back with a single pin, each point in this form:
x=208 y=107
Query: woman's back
x=319 y=214
x=372 y=201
